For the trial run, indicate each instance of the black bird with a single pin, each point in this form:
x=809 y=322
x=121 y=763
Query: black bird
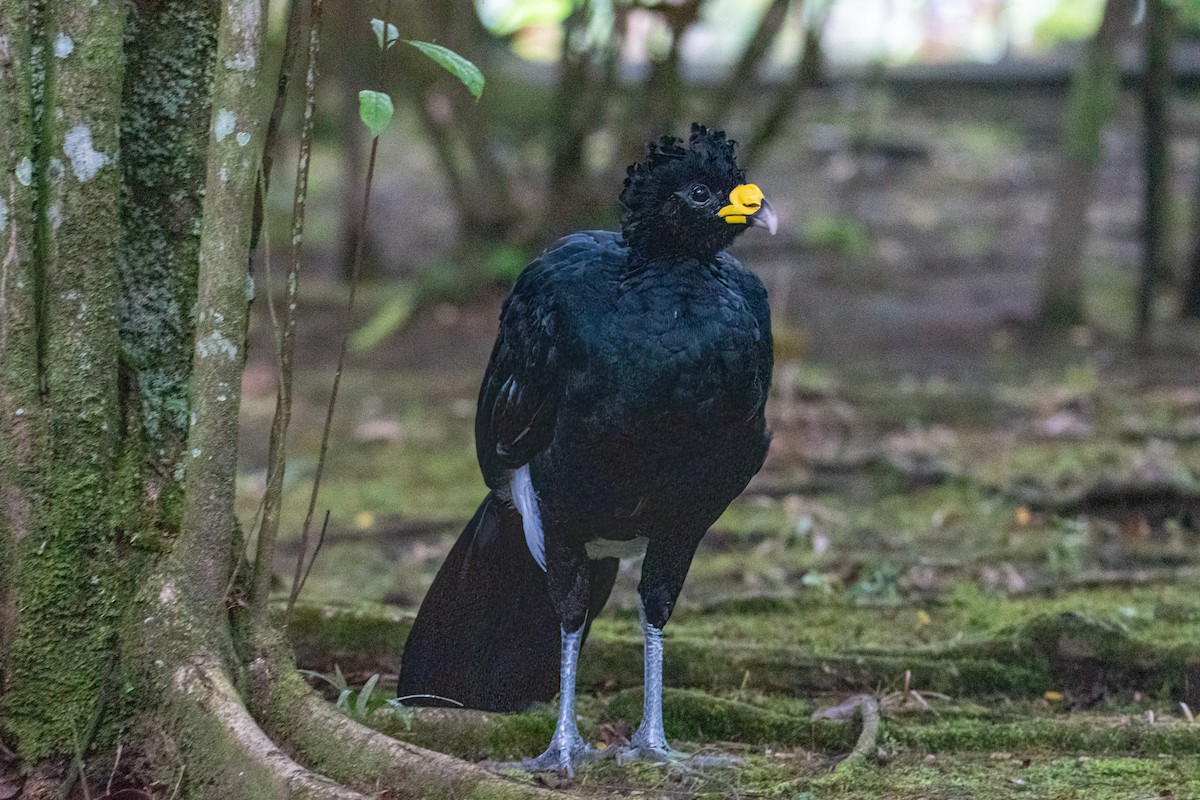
x=621 y=412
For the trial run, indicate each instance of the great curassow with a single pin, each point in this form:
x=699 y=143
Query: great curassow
x=621 y=412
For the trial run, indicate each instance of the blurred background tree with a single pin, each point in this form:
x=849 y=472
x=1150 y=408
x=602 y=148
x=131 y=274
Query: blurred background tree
x=577 y=88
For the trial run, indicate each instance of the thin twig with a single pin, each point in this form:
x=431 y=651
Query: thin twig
x=291 y=44
x=286 y=339
x=356 y=268
x=179 y=782
x=113 y=773
x=77 y=772
x=313 y=560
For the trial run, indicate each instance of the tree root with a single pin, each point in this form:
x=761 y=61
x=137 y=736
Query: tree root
x=229 y=751
x=352 y=753
x=864 y=748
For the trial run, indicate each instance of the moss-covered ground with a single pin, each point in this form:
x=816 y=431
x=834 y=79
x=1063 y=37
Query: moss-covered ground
x=1010 y=568
x=990 y=530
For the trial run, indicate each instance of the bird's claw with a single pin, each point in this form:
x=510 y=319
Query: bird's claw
x=655 y=755
x=561 y=756
x=669 y=756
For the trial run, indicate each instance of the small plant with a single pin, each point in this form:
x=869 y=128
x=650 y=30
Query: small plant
x=362 y=703
x=1064 y=555
x=880 y=588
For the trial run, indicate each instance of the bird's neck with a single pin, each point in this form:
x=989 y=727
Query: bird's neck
x=658 y=240
x=646 y=251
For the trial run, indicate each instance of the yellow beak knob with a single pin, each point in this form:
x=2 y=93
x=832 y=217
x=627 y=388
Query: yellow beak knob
x=744 y=201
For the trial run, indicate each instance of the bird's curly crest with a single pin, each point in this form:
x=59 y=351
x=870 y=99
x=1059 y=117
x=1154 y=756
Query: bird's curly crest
x=709 y=158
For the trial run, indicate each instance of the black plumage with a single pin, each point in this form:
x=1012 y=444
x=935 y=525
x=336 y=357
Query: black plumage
x=624 y=398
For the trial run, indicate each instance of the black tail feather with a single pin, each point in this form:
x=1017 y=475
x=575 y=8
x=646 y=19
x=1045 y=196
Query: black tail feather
x=487 y=635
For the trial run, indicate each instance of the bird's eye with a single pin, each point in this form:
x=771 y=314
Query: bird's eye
x=699 y=194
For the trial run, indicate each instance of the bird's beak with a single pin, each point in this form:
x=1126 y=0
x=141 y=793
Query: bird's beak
x=747 y=206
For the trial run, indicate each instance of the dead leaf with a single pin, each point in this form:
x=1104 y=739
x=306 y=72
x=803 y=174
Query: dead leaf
x=614 y=733
x=1135 y=529
x=10 y=786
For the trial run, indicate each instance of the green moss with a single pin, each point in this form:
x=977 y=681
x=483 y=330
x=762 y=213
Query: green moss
x=355 y=641
x=69 y=587
x=1095 y=779
x=165 y=115
x=695 y=716
x=478 y=736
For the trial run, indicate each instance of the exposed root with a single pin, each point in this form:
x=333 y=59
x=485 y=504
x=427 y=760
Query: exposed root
x=352 y=753
x=864 y=749
x=258 y=767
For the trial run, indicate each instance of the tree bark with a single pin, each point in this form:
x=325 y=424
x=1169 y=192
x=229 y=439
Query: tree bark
x=1090 y=101
x=22 y=422
x=68 y=582
x=122 y=210
x=1191 y=291
x=1156 y=86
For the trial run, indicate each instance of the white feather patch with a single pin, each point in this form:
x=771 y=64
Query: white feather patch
x=524 y=498
x=617 y=548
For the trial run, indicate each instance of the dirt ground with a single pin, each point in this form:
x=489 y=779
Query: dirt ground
x=991 y=531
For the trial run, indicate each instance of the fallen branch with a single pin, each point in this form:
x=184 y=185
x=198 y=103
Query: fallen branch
x=864 y=748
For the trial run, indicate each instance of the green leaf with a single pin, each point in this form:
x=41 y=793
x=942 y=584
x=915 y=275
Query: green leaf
x=393 y=35
x=364 y=697
x=453 y=63
x=375 y=110
x=402 y=712
x=312 y=673
x=392 y=317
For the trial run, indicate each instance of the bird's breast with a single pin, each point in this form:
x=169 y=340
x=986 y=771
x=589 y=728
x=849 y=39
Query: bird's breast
x=682 y=360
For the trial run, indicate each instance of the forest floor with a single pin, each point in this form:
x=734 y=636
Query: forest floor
x=993 y=533
x=1011 y=571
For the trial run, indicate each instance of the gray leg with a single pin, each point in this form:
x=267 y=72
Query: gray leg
x=650 y=741
x=567 y=747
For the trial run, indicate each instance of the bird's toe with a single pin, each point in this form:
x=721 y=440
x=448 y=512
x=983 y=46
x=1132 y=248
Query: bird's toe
x=658 y=754
x=665 y=754
x=561 y=757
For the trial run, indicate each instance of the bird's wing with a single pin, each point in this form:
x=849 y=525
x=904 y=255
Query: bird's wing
x=523 y=384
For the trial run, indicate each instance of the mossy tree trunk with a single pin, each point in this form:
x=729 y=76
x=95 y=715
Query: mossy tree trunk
x=130 y=141
x=1090 y=102
x=1156 y=85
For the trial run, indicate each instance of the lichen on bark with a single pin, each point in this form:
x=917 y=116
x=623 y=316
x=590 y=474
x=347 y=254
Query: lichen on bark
x=222 y=310
x=69 y=584
x=20 y=404
x=169 y=50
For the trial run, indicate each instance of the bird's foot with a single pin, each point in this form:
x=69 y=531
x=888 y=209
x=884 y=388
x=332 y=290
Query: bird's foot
x=656 y=755
x=655 y=749
x=648 y=744
x=562 y=756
